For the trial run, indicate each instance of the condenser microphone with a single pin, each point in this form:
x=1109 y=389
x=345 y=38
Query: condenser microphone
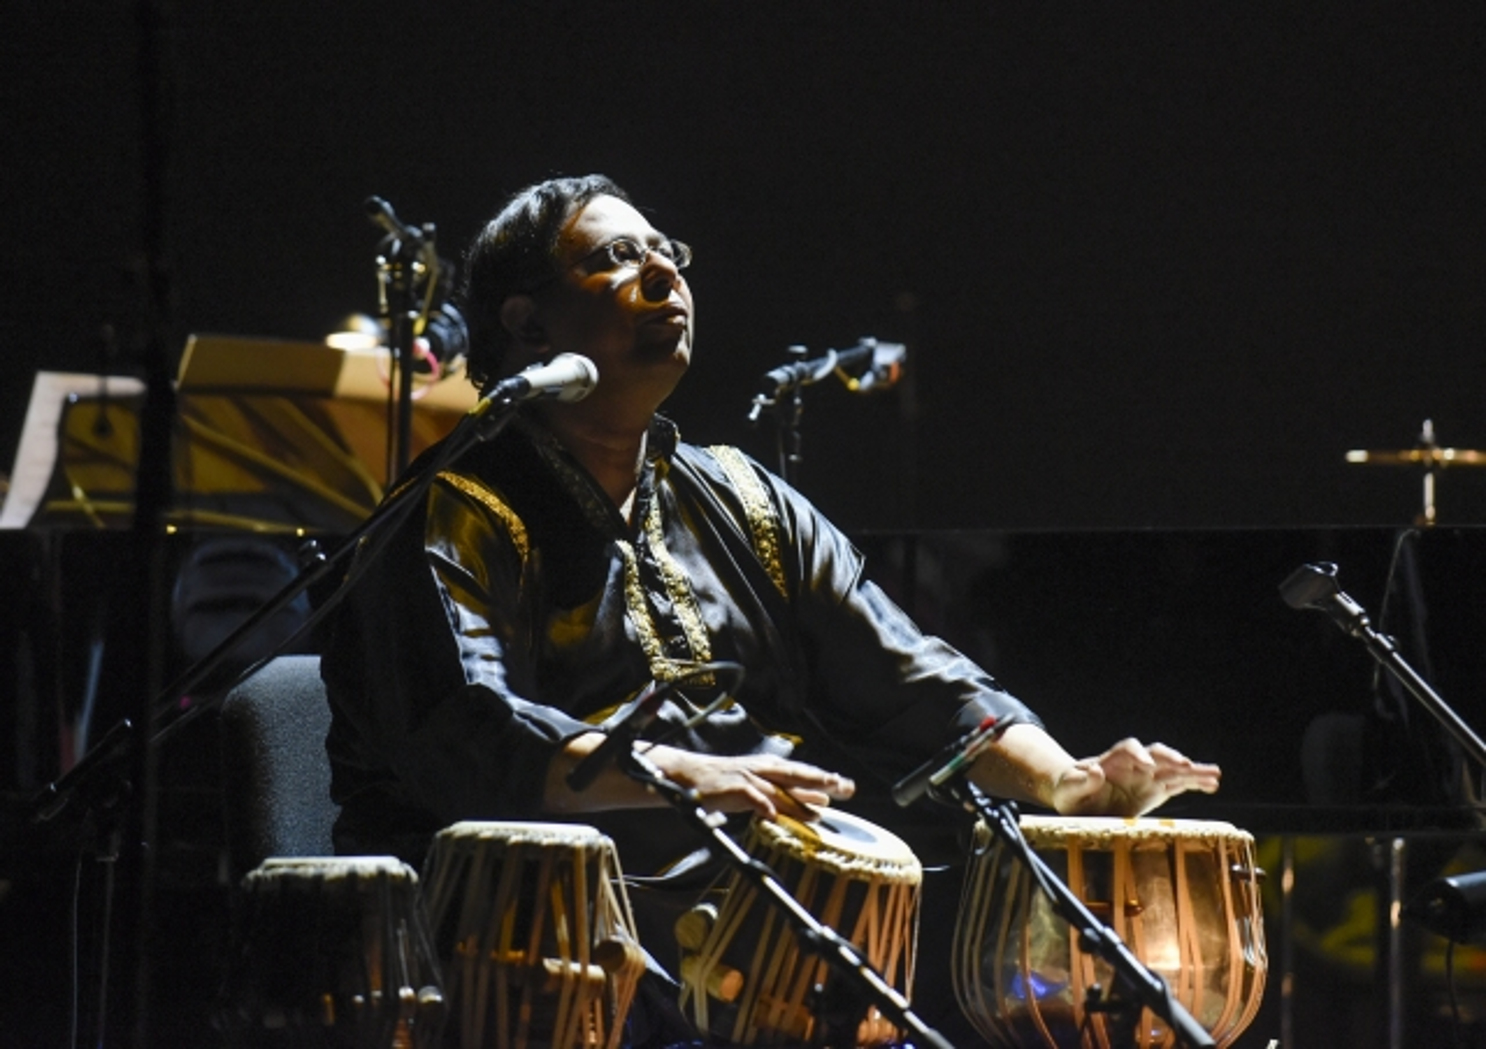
x=566 y=377
x=958 y=755
x=866 y=366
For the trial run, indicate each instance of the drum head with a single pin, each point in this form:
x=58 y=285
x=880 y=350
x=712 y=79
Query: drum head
x=526 y=832
x=840 y=842
x=327 y=868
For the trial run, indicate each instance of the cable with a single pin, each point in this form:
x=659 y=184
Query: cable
x=1450 y=987
x=77 y=896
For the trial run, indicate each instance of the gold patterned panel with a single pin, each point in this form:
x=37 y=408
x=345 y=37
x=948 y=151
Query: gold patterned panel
x=678 y=585
x=763 y=521
x=662 y=667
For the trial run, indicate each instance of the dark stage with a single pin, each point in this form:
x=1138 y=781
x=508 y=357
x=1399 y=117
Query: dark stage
x=1157 y=269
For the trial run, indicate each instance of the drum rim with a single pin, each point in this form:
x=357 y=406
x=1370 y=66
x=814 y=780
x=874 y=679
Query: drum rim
x=523 y=830
x=1160 y=828
x=334 y=865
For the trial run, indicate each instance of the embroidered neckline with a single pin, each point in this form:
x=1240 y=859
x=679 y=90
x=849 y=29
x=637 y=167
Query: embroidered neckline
x=604 y=516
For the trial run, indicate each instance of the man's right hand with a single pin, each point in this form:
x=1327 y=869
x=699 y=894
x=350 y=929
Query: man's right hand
x=765 y=784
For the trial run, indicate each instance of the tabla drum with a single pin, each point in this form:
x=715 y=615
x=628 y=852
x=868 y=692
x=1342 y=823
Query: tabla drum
x=744 y=976
x=533 y=928
x=334 y=951
x=1182 y=894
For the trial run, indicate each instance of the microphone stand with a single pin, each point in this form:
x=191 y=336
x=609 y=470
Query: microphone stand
x=1315 y=586
x=844 y=1001
x=1136 y=986
x=93 y=778
x=404 y=254
x=788 y=403
x=784 y=385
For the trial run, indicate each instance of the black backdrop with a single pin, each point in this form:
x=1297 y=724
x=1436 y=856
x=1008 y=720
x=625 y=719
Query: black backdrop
x=1156 y=264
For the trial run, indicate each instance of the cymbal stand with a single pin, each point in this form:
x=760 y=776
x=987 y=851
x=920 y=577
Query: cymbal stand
x=843 y=1001
x=1429 y=513
x=1135 y=985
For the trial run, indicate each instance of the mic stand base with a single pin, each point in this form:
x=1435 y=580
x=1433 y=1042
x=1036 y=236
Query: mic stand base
x=843 y=1001
x=1136 y=986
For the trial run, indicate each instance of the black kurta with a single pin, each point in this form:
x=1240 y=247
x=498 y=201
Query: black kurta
x=520 y=606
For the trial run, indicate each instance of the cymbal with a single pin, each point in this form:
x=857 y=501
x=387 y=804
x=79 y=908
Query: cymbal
x=1430 y=457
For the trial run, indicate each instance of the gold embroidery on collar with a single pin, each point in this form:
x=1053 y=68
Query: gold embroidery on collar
x=763 y=521
x=595 y=505
x=496 y=505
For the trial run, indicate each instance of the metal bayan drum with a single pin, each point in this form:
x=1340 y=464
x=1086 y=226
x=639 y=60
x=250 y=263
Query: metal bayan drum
x=334 y=952
x=744 y=977
x=1182 y=894
x=534 y=931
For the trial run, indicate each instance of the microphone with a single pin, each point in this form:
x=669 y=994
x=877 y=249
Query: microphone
x=566 y=377
x=446 y=333
x=949 y=760
x=866 y=366
x=871 y=365
x=380 y=212
x=1315 y=586
x=624 y=728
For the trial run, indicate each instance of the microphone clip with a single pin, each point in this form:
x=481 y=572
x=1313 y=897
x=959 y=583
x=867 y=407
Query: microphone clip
x=621 y=730
x=1315 y=586
x=950 y=761
x=867 y=367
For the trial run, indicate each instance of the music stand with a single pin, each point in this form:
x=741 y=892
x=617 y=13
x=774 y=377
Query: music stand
x=271 y=436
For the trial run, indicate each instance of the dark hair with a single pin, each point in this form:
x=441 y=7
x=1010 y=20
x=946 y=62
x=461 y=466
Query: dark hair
x=513 y=254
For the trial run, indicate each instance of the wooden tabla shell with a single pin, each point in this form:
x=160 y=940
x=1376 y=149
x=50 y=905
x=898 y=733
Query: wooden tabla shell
x=1182 y=894
x=744 y=977
x=335 y=951
x=534 y=930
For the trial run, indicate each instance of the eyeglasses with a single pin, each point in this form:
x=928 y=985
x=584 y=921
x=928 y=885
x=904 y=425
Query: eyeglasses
x=631 y=254
x=626 y=253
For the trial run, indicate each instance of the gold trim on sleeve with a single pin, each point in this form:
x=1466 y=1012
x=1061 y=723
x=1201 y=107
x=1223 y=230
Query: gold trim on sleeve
x=496 y=505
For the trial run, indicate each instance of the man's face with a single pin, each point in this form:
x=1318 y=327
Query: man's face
x=634 y=322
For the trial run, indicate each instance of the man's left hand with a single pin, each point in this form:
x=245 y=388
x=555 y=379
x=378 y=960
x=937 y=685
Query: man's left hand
x=1129 y=779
